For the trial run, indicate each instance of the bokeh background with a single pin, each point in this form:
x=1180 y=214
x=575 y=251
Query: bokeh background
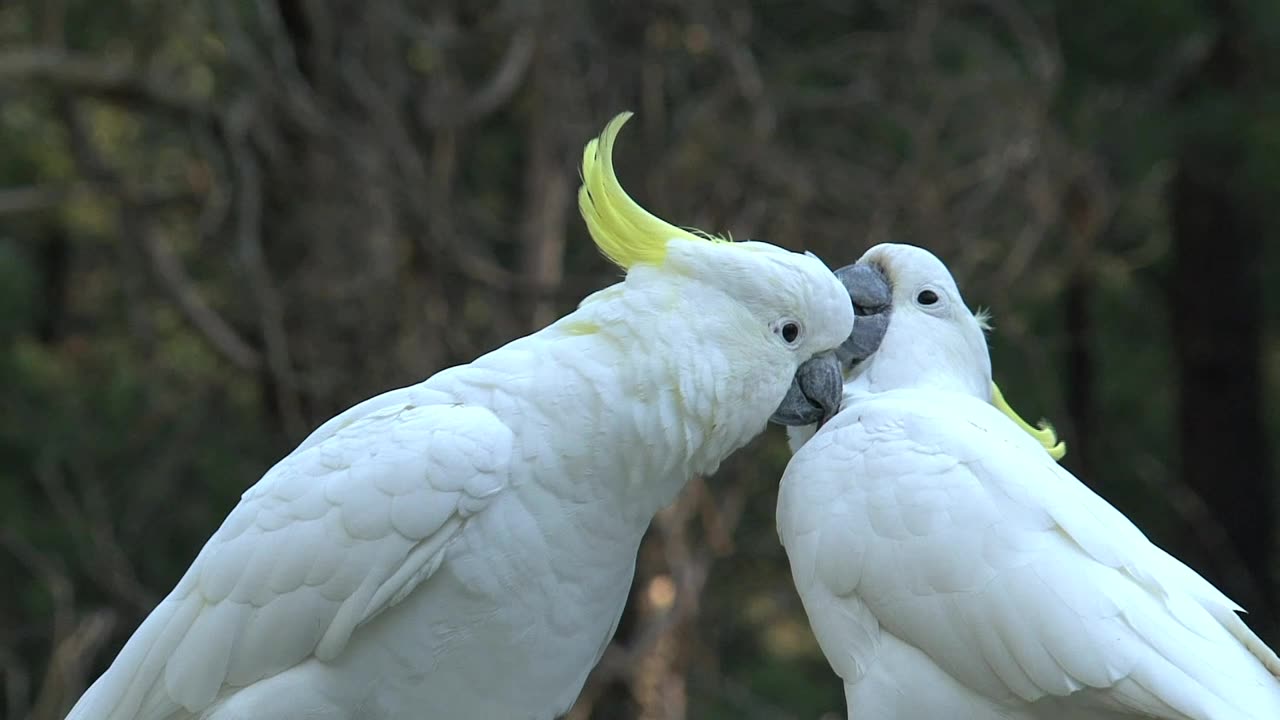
x=223 y=221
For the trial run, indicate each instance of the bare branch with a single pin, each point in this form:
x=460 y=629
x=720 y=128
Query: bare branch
x=164 y=263
x=495 y=93
x=64 y=678
x=173 y=276
x=39 y=198
x=249 y=190
x=32 y=199
x=1038 y=47
x=112 y=81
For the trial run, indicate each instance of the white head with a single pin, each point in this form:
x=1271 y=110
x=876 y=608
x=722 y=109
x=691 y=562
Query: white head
x=765 y=310
x=913 y=330
x=927 y=336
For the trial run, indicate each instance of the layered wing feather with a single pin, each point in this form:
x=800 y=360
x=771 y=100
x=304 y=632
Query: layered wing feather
x=338 y=531
x=932 y=517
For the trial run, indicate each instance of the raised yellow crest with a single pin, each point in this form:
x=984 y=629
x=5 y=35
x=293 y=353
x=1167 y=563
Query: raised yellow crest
x=625 y=232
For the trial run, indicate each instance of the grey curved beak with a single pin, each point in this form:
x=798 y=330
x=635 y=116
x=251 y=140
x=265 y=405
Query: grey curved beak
x=815 y=393
x=872 y=296
x=818 y=386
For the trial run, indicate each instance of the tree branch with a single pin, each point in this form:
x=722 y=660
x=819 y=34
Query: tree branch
x=495 y=93
x=112 y=81
x=173 y=276
x=32 y=199
x=164 y=263
x=248 y=190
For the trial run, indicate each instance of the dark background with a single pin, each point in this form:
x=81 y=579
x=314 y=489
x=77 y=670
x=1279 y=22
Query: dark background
x=222 y=221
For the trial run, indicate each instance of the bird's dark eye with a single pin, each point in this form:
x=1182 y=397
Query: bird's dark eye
x=927 y=297
x=790 y=331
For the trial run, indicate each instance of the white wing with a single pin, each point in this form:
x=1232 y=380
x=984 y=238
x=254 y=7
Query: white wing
x=932 y=517
x=338 y=531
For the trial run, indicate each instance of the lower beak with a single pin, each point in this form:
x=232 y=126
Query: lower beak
x=815 y=393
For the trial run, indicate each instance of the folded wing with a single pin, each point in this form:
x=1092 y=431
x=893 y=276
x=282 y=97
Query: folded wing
x=338 y=531
x=942 y=523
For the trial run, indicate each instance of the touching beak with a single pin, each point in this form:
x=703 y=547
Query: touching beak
x=818 y=385
x=872 y=297
x=815 y=393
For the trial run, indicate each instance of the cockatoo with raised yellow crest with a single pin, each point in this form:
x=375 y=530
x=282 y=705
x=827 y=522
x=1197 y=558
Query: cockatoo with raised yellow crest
x=950 y=568
x=462 y=549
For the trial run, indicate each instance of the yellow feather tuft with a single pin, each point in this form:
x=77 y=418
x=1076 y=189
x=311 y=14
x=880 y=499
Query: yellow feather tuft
x=581 y=327
x=625 y=232
x=1045 y=434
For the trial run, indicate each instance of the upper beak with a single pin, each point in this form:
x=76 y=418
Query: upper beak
x=815 y=393
x=872 y=297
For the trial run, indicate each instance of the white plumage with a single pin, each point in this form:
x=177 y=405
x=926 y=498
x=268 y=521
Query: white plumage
x=950 y=568
x=463 y=548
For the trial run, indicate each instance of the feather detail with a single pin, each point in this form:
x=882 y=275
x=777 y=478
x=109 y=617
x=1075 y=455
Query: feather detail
x=624 y=231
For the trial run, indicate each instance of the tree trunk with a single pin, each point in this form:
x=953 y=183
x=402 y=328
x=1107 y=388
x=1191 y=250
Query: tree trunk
x=1216 y=308
x=548 y=187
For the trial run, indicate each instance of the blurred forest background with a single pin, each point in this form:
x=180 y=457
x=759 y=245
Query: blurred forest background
x=223 y=221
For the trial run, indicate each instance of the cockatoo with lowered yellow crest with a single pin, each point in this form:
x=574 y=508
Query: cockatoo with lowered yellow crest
x=462 y=549
x=951 y=569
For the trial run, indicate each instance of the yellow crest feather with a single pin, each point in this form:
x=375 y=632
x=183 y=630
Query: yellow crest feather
x=1045 y=434
x=626 y=233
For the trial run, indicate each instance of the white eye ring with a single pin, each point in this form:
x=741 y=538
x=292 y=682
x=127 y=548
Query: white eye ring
x=930 y=299
x=791 y=331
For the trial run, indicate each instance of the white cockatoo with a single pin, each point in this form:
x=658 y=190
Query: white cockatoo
x=950 y=568
x=462 y=549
